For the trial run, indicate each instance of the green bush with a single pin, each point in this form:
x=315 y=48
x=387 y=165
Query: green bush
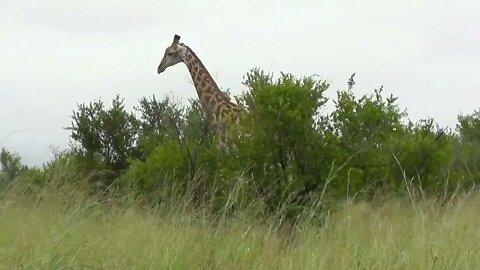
x=366 y=130
x=289 y=151
x=468 y=149
x=424 y=156
x=109 y=134
x=283 y=153
x=11 y=165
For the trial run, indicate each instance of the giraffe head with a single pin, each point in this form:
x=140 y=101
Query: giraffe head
x=174 y=54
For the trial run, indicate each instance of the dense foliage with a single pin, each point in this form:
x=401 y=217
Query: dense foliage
x=289 y=151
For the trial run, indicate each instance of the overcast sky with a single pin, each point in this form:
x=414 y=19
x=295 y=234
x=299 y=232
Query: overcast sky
x=55 y=54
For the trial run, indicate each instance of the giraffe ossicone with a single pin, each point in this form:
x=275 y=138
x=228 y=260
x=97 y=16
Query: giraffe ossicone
x=220 y=110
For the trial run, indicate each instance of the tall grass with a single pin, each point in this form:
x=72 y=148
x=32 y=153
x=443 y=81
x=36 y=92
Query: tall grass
x=65 y=228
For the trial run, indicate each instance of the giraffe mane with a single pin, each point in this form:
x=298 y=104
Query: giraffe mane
x=214 y=83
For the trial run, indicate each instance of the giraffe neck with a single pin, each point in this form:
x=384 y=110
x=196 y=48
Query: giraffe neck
x=212 y=99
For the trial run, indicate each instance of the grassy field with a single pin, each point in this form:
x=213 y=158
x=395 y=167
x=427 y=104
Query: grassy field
x=66 y=231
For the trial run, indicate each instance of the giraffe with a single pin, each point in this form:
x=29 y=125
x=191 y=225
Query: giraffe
x=221 y=112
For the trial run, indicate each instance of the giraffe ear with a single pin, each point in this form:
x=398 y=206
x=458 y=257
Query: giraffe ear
x=176 y=39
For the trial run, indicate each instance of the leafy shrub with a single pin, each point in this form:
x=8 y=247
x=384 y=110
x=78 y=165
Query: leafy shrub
x=468 y=149
x=288 y=151
x=11 y=165
x=111 y=134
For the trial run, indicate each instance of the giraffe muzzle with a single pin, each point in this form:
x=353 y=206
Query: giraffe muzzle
x=160 y=69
